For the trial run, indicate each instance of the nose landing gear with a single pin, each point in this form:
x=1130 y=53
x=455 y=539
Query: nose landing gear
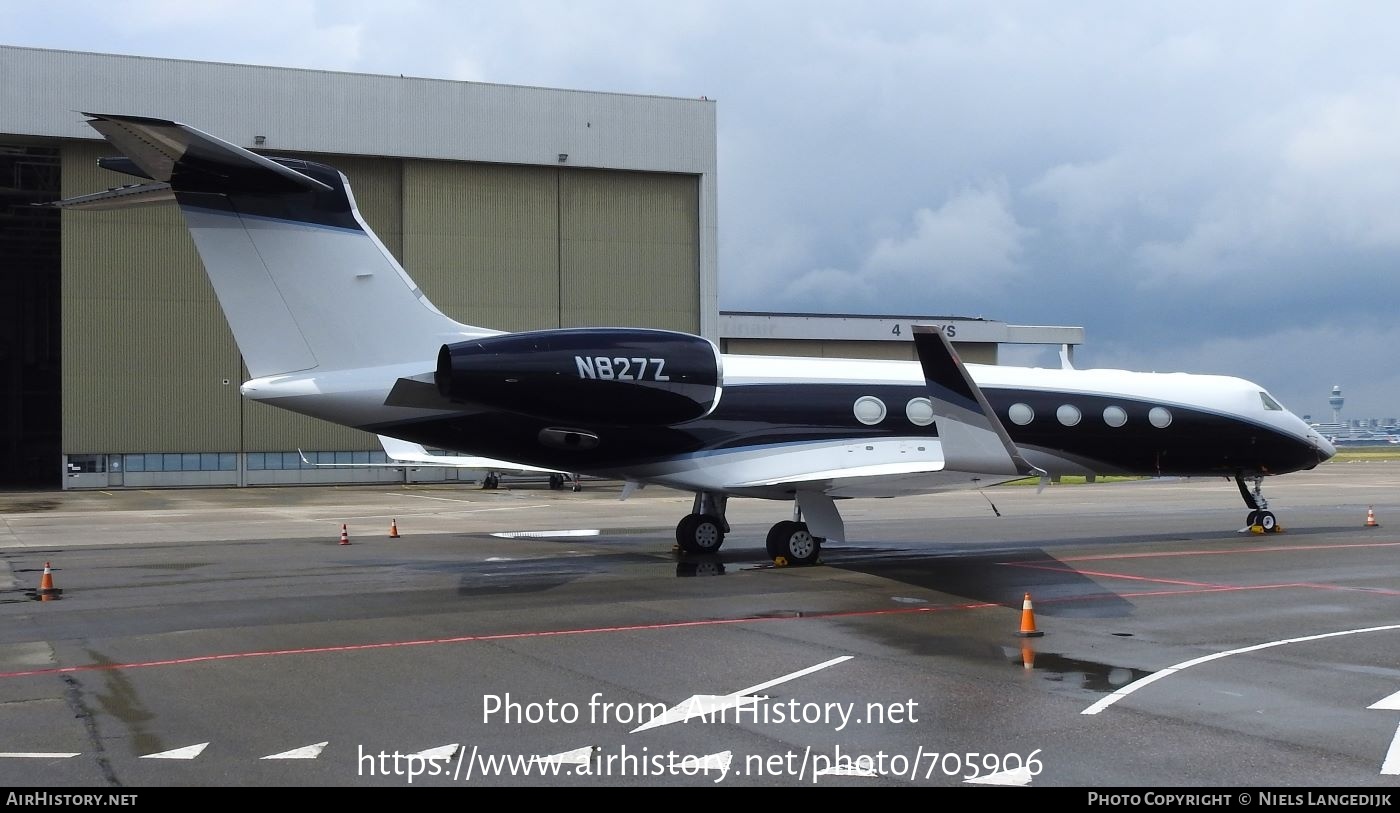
x=1260 y=519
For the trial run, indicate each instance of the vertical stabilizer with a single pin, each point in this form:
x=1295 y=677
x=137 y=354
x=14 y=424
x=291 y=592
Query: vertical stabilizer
x=303 y=281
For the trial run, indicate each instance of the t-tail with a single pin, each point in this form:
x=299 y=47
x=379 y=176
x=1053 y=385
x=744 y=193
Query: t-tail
x=304 y=283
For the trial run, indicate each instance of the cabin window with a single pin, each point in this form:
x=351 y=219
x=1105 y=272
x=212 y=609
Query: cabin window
x=919 y=411
x=869 y=410
x=1160 y=417
x=1269 y=403
x=1021 y=414
x=1068 y=414
x=1115 y=416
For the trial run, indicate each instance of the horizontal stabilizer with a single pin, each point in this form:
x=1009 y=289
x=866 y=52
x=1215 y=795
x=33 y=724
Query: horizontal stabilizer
x=194 y=161
x=144 y=194
x=972 y=436
x=408 y=452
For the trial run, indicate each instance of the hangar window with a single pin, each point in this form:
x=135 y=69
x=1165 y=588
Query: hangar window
x=919 y=411
x=1160 y=417
x=87 y=463
x=1068 y=414
x=1021 y=414
x=1115 y=416
x=869 y=410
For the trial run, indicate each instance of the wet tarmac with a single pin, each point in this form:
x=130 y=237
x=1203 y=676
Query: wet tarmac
x=225 y=637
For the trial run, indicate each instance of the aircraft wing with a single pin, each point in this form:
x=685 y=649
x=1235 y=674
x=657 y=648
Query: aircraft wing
x=972 y=446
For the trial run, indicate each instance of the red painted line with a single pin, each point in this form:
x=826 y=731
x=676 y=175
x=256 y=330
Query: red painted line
x=1126 y=577
x=1107 y=575
x=1229 y=552
x=462 y=639
x=507 y=636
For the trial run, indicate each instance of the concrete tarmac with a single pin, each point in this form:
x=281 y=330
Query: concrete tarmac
x=225 y=638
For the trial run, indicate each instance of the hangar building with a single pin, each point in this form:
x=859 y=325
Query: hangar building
x=512 y=207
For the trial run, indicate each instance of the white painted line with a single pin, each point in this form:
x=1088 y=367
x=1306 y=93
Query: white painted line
x=795 y=675
x=1391 y=766
x=547 y=534
x=188 y=752
x=577 y=756
x=704 y=705
x=1391 y=703
x=36 y=755
x=441 y=752
x=1018 y=777
x=305 y=752
x=1105 y=702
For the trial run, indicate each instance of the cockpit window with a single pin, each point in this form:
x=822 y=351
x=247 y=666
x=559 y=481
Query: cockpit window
x=1269 y=403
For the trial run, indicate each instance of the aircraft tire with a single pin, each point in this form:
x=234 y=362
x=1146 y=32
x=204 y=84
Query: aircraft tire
x=794 y=542
x=700 y=533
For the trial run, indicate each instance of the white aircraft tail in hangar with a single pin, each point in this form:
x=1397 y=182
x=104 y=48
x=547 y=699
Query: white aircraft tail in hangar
x=331 y=326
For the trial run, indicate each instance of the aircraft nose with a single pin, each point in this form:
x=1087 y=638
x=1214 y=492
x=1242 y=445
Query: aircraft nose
x=1325 y=450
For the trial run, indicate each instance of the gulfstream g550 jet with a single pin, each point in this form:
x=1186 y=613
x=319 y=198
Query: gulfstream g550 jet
x=331 y=326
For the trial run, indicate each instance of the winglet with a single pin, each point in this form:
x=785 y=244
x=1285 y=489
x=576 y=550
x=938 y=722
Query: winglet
x=972 y=436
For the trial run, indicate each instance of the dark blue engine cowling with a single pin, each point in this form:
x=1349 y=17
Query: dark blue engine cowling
x=610 y=376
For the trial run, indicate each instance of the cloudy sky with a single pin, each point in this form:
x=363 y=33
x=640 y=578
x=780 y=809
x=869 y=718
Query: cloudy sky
x=1210 y=187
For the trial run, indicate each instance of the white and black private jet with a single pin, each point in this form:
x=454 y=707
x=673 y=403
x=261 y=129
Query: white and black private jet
x=331 y=326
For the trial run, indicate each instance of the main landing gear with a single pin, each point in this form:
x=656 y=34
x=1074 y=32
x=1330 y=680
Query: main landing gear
x=556 y=482
x=704 y=528
x=792 y=541
x=1260 y=519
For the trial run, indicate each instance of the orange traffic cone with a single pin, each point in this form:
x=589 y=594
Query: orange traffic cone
x=1371 y=518
x=1028 y=629
x=344 y=534
x=46 y=587
x=393 y=529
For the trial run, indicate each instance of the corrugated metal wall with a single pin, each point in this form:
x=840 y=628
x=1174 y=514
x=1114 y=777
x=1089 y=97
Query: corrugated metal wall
x=637 y=234
x=146 y=348
x=483 y=241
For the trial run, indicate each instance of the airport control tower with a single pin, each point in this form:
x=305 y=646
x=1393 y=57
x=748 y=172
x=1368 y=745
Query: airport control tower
x=1336 y=402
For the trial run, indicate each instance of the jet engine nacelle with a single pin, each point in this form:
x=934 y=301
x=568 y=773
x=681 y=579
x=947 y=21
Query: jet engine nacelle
x=618 y=376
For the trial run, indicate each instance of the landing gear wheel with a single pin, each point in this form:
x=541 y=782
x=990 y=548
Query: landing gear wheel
x=700 y=533
x=1252 y=519
x=794 y=542
x=1267 y=521
x=776 y=534
x=556 y=482
x=490 y=481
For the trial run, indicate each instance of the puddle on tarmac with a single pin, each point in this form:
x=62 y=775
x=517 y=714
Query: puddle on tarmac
x=1096 y=677
x=688 y=569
